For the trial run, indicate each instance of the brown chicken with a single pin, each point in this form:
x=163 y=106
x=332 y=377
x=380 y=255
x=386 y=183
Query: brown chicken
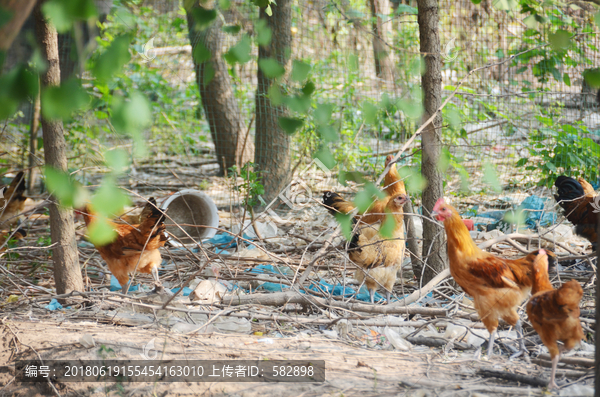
x=12 y=201
x=393 y=185
x=18 y=234
x=498 y=286
x=579 y=207
x=379 y=256
x=134 y=246
x=554 y=314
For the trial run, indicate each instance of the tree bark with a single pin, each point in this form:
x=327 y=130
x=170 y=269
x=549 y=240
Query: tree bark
x=383 y=61
x=33 y=133
x=227 y=128
x=67 y=274
x=434 y=251
x=272 y=143
x=412 y=244
x=20 y=10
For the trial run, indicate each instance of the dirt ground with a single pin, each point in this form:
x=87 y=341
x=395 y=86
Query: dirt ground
x=350 y=370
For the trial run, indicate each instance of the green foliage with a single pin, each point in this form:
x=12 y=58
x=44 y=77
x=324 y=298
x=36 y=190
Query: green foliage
x=345 y=221
x=63 y=13
x=239 y=53
x=16 y=86
x=112 y=60
x=387 y=227
x=68 y=191
x=490 y=176
x=62 y=101
x=251 y=187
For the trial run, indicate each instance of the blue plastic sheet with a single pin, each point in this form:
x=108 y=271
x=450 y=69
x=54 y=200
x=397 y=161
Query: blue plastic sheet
x=186 y=291
x=531 y=208
x=226 y=240
x=115 y=286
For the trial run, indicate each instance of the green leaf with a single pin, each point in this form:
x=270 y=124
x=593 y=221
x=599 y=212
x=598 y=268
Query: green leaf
x=275 y=95
x=240 y=52
x=109 y=200
x=300 y=71
x=61 y=185
x=561 y=40
x=325 y=156
x=112 y=60
x=369 y=112
x=201 y=53
x=322 y=113
x=567 y=79
x=100 y=232
x=60 y=102
x=208 y=73
x=522 y=162
x=531 y=22
x=16 y=86
x=327 y=133
x=453 y=116
x=592 y=77
x=309 y=88
x=476 y=1
x=505 y=5
x=364 y=198
x=263 y=33
x=345 y=222
x=5 y=16
x=389 y=225
x=62 y=13
x=203 y=17
x=403 y=8
x=131 y=116
x=271 y=68
x=444 y=161
x=597 y=18
x=117 y=159
x=232 y=29
x=353 y=62
x=290 y=124
x=411 y=108
x=415 y=182
x=225 y=4
x=490 y=176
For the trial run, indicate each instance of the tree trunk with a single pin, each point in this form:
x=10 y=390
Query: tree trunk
x=383 y=61
x=33 y=133
x=272 y=142
x=233 y=146
x=412 y=244
x=20 y=10
x=67 y=274
x=434 y=251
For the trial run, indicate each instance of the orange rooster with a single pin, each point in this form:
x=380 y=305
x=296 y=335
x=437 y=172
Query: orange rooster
x=579 y=206
x=588 y=189
x=393 y=185
x=12 y=201
x=498 y=286
x=134 y=245
x=379 y=256
x=554 y=314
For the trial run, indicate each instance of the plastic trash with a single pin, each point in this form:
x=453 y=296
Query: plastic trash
x=87 y=341
x=209 y=291
x=233 y=325
x=115 y=286
x=396 y=340
x=343 y=327
x=54 y=305
x=226 y=240
x=266 y=230
x=186 y=291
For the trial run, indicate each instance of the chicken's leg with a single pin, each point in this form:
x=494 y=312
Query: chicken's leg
x=126 y=287
x=522 y=350
x=372 y=294
x=388 y=296
x=490 y=350
x=552 y=383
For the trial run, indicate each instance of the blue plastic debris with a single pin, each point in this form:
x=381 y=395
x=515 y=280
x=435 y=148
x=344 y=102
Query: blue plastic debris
x=336 y=290
x=530 y=211
x=226 y=240
x=273 y=287
x=54 y=305
x=115 y=286
x=285 y=270
x=186 y=291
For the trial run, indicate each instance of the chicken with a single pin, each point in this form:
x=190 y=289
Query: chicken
x=18 y=234
x=588 y=189
x=579 y=207
x=133 y=244
x=379 y=256
x=393 y=185
x=12 y=201
x=498 y=286
x=554 y=314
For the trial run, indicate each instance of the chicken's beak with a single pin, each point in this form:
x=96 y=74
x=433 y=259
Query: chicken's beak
x=435 y=215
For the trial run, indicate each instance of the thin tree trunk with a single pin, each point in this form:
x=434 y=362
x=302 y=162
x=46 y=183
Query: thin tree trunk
x=227 y=127
x=20 y=10
x=33 y=131
x=412 y=244
x=383 y=61
x=272 y=143
x=67 y=274
x=434 y=251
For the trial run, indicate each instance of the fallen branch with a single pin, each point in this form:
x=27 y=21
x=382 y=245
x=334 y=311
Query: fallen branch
x=584 y=362
x=282 y=298
x=528 y=380
x=436 y=342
